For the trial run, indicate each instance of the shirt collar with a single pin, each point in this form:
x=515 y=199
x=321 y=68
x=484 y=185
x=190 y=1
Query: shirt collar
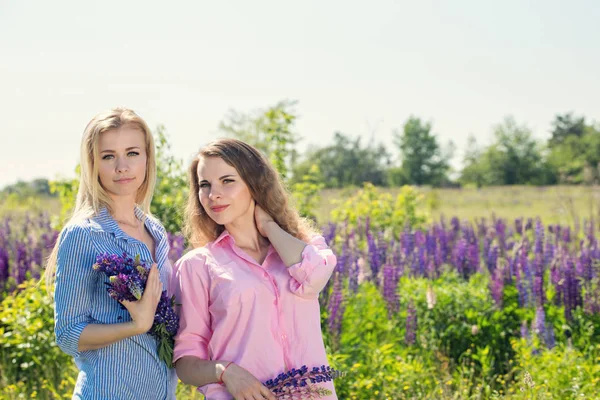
x=108 y=223
x=225 y=234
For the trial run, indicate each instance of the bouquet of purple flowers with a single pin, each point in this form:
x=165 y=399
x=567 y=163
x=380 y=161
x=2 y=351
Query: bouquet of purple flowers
x=127 y=281
x=302 y=383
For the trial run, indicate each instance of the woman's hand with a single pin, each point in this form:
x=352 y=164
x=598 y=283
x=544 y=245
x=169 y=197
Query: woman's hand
x=263 y=219
x=142 y=311
x=244 y=386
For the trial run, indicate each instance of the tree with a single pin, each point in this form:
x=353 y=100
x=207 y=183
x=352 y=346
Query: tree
x=346 y=162
x=564 y=127
x=423 y=161
x=272 y=131
x=171 y=190
x=474 y=170
x=574 y=150
x=514 y=157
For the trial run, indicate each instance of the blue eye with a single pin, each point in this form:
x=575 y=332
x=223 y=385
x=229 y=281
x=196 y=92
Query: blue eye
x=203 y=185
x=107 y=157
x=135 y=153
x=228 y=180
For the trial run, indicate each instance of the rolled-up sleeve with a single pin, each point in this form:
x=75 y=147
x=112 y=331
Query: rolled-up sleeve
x=75 y=283
x=191 y=291
x=311 y=274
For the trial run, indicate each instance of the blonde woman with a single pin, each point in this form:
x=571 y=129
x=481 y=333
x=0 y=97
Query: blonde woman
x=115 y=356
x=249 y=295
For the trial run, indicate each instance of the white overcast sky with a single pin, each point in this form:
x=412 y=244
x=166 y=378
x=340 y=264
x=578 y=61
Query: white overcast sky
x=360 y=67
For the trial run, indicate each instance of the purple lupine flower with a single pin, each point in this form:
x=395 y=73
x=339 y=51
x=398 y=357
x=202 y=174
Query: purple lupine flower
x=443 y=245
x=520 y=278
x=568 y=287
x=374 y=261
x=459 y=257
x=37 y=256
x=548 y=252
x=353 y=275
x=336 y=307
x=4 y=267
x=438 y=258
x=126 y=281
x=421 y=262
x=492 y=258
x=176 y=246
x=390 y=285
x=539 y=237
x=538 y=280
x=22 y=262
x=549 y=337
x=497 y=286
x=481 y=226
x=519 y=226
x=500 y=228
x=382 y=250
x=302 y=382
x=529 y=224
x=343 y=258
x=566 y=235
x=407 y=242
x=526 y=273
x=455 y=224
x=473 y=257
x=411 y=324
x=525 y=331
x=329 y=233
x=539 y=323
x=487 y=244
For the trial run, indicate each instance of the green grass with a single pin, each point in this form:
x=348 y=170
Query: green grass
x=553 y=204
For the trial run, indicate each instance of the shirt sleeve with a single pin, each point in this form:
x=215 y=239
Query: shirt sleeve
x=191 y=291
x=74 y=287
x=311 y=274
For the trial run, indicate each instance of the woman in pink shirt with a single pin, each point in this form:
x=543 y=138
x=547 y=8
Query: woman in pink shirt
x=249 y=294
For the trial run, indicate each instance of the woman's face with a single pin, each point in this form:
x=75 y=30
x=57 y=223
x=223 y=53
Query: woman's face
x=122 y=164
x=223 y=194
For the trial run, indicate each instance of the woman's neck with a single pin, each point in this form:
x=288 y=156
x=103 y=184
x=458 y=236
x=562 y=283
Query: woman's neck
x=246 y=235
x=123 y=210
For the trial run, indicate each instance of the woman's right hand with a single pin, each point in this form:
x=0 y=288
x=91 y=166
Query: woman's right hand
x=142 y=311
x=242 y=385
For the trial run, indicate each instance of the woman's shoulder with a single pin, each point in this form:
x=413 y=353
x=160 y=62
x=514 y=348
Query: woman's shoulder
x=198 y=256
x=80 y=227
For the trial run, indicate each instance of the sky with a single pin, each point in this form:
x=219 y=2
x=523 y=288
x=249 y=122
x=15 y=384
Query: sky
x=358 y=67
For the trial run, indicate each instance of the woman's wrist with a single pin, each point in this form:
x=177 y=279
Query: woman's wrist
x=220 y=368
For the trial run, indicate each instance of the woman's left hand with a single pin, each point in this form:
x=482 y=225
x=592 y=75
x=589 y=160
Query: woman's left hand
x=263 y=219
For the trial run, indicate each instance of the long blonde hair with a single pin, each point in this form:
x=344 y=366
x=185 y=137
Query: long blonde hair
x=91 y=196
x=263 y=181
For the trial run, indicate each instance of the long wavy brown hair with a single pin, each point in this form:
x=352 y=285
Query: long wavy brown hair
x=263 y=181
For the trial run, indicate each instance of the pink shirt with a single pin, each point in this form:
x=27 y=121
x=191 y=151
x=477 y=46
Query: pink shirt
x=265 y=318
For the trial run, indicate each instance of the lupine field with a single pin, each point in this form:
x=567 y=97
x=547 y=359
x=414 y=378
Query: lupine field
x=447 y=309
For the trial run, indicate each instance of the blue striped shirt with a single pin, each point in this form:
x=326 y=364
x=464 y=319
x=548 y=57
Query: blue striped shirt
x=129 y=368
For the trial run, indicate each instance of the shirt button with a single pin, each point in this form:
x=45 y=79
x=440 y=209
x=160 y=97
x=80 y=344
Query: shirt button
x=284 y=337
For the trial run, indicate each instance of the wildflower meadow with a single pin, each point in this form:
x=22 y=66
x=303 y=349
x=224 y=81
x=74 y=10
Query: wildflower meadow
x=417 y=308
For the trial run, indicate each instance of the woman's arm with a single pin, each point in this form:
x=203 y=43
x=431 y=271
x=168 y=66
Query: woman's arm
x=310 y=265
x=74 y=289
x=287 y=246
x=239 y=382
